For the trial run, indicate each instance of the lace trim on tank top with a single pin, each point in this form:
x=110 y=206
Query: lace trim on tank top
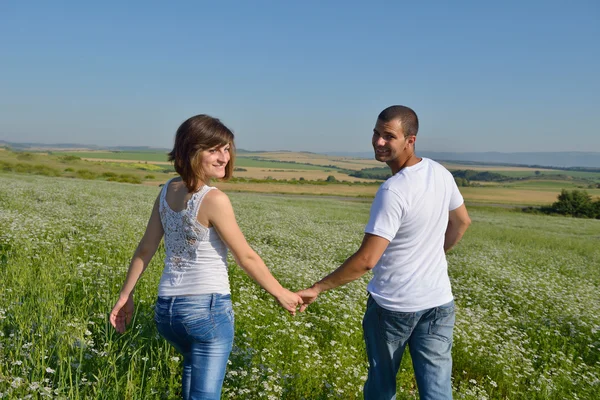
x=183 y=232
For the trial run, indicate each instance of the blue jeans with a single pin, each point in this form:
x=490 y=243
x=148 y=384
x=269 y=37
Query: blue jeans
x=428 y=334
x=201 y=329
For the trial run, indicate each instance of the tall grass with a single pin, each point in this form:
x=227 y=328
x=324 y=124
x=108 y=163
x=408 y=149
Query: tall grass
x=526 y=287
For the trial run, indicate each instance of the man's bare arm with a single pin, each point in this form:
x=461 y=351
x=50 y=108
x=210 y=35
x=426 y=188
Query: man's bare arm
x=458 y=222
x=354 y=267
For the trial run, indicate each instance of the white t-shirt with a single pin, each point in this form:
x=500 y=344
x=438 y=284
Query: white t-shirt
x=411 y=211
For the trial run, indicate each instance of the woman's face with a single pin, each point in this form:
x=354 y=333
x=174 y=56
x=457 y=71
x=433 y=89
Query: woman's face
x=214 y=161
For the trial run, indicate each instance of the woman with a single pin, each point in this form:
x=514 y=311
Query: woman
x=193 y=311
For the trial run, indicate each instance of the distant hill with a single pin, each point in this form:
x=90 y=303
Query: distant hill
x=539 y=159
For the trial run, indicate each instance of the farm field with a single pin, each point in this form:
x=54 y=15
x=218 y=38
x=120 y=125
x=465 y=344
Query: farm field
x=532 y=191
x=526 y=288
x=133 y=171
x=483 y=194
x=314 y=161
x=494 y=168
x=290 y=173
x=159 y=156
x=264 y=160
x=317 y=159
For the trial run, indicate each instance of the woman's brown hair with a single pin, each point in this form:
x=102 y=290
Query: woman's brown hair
x=200 y=132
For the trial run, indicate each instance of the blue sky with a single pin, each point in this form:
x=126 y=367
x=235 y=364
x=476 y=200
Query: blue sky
x=482 y=76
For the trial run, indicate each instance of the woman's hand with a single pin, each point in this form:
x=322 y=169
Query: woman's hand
x=308 y=296
x=289 y=300
x=122 y=313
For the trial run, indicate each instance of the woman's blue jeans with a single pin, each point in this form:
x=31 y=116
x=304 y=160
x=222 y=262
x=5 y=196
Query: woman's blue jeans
x=428 y=334
x=201 y=329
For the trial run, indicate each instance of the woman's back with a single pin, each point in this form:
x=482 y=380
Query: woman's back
x=196 y=257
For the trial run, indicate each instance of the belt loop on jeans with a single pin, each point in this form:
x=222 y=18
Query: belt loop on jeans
x=213 y=300
x=171 y=303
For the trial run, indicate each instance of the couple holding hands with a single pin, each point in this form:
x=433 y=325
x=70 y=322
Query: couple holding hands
x=416 y=217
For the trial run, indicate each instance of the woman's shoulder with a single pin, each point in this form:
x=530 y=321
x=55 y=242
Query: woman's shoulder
x=215 y=202
x=215 y=196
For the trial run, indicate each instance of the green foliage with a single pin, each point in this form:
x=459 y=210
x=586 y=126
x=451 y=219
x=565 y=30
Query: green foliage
x=30 y=166
x=124 y=178
x=574 y=203
x=331 y=178
x=34 y=169
x=25 y=156
x=381 y=173
x=461 y=182
x=482 y=176
x=69 y=158
x=86 y=174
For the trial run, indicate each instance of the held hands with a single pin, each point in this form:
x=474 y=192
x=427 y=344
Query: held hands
x=122 y=313
x=308 y=296
x=289 y=300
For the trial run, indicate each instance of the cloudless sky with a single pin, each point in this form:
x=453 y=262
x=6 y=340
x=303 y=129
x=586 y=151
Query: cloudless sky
x=308 y=75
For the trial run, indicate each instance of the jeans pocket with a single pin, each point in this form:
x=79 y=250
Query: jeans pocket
x=443 y=325
x=200 y=326
x=395 y=326
x=224 y=320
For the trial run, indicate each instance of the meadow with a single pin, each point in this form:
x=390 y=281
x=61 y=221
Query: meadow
x=294 y=173
x=526 y=288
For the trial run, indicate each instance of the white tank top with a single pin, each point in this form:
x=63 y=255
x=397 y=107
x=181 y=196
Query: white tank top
x=196 y=257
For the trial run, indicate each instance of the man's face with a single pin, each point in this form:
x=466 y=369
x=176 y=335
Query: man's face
x=388 y=140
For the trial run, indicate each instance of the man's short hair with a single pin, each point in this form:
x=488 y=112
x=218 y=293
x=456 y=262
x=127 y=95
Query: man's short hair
x=408 y=118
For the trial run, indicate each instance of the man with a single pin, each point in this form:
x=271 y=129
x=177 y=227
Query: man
x=417 y=216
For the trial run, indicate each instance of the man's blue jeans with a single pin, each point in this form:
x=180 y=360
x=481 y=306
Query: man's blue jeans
x=201 y=329
x=428 y=334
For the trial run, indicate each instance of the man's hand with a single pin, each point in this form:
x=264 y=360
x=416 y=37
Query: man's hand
x=289 y=301
x=308 y=296
x=122 y=313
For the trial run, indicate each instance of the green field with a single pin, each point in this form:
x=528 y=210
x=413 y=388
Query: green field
x=533 y=178
x=155 y=156
x=594 y=176
x=526 y=288
x=160 y=156
x=70 y=166
x=551 y=185
x=251 y=162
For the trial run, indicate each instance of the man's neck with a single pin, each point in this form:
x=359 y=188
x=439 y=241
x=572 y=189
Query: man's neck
x=403 y=162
